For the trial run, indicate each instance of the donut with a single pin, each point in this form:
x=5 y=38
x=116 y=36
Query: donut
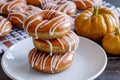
x=84 y=4
x=38 y=3
x=3 y=2
x=18 y=14
x=63 y=44
x=47 y=24
x=66 y=7
x=46 y=63
x=5 y=26
x=10 y=4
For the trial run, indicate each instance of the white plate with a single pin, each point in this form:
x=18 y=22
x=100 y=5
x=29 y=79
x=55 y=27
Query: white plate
x=89 y=62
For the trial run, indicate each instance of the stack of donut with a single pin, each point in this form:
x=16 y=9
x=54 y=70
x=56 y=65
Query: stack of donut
x=50 y=28
x=53 y=40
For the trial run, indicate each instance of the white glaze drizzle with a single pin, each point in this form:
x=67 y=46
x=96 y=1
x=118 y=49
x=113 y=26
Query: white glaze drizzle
x=33 y=56
x=38 y=59
x=62 y=6
x=1 y=10
x=67 y=8
x=50 y=45
x=41 y=59
x=45 y=61
x=48 y=7
x=16 y=18
x=4 y=24
x=10 y=6
x=59 y=61
x=11 y=15
x=51 y=64
x=69 y=44
x=20 y=8
x=42 y=2
x=76 y=39
x=37 y=27
x=55 y=25
x=55 y=60
x=32 y=52
x=27 y=25
x=14 y=13
x=18 y=4
x=49 y=14
x=54 y=19
x=71 y=39
x=11 y=3
x=3 y=28
x=60 y=43
x=34 y=59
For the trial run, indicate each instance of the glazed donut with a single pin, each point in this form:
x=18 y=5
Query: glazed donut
x=50 y=64
x=5 y=26
x=18 y=14
x=63 y=44
x=3 y=2
x=38 y=3
x=10 y=4
x=47 y=24
x=66 y=7
x=84 y=4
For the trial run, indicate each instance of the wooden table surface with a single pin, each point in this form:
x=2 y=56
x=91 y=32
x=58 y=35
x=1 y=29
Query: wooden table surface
x=112 y=71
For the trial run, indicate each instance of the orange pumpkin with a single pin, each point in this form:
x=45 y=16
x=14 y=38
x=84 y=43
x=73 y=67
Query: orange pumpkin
x=111 y=42
x=94 y=23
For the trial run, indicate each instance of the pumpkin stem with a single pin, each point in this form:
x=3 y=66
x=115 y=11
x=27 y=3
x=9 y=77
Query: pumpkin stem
x=117 y=31
x=95 y=10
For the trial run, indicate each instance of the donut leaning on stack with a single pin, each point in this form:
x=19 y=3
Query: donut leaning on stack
x=7 y=5
x=18 y=14
x=53 y=40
